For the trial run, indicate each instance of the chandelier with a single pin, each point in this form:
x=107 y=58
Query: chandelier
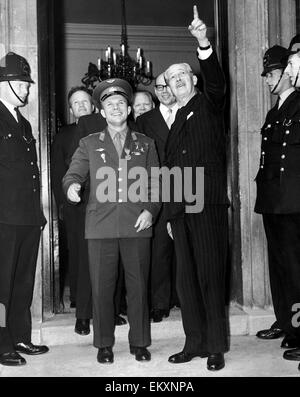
x=135 y=71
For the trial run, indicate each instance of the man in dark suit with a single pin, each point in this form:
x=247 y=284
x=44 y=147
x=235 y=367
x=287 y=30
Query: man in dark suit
x=197 y=139
x=156 y=124
x=21 y=217
x=278 y=199
x=271 y=201
x=72 y=216
x=118 y=218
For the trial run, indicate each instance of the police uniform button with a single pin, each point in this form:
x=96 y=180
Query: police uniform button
x=282 y=169
x=277 y=122
x=9 y=135
x=284 y=144
x=34 y=190
x=184 y=152
x=287 y=132
x=28 y=150
x=269 y=126
x=283 y=156
x=265 y=138
x=33 y=176
x=263 y=153
x=32 y=163
x=261 y=166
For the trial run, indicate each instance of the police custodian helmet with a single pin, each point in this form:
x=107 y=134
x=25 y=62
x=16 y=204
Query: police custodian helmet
x=275 y=58
x=14 y=67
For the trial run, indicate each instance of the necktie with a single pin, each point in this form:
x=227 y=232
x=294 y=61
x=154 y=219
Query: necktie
x=18 y=114
x=118 y=143
x=169 y=119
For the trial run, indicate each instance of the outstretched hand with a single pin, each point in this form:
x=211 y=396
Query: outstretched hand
x=198 y=29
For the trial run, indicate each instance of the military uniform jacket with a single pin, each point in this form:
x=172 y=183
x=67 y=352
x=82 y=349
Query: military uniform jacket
x=278 y=178
x=197 y=138
x=19 y=173
x=97 y=156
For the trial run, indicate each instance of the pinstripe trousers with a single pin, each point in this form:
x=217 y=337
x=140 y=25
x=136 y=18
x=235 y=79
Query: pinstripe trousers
x=201 y=242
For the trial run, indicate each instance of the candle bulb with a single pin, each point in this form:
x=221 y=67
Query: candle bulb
x=109 y=52
x=148 y=67
x=123 y=49
x=106 y=55
x=138 y=54
x=99 y=63
x=141 y=62
x=114 y=58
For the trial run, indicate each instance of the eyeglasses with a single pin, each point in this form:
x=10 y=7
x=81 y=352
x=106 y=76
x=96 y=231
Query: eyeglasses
x=160 y=87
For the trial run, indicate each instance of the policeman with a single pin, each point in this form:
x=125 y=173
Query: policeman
x=21 y=217
x=118 y=224
x=293 y=70
x=278 y=195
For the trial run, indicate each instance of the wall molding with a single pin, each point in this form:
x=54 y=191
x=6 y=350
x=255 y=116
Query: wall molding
x=150 y=38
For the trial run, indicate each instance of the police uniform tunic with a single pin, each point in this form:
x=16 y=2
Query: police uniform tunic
x=278 y=200
x=110 y=228
x=21 y=218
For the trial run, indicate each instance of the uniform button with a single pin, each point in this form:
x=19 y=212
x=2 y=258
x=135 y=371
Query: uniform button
x=277 y=122
x=263 y=153
x=283 y=156
x=120 y=179
x=184 y=152
x=120 y=201
x=265 y=138
x=119 y=169
x=34 y=190
x=284 y=144
x=9 y=135
x=120 y=190
x=269 y=126
x=32 y=163
x=261 y=166
x=287 y=132
x=28 y=150
x=34 y=177
x=282 y=169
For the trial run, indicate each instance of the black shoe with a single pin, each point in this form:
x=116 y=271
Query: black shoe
x=183 y=357
x=30 y=349
x=215 y=362
x=271 y=333
x=289 y=342
x=293 y=355
x=105 y=355
x=72 y=305
x=120 y=320
x=82 y=326
x=12 y=359
x=141 y=353
x=159 y=314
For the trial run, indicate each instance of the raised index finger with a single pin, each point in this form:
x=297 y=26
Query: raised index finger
x=196 y=15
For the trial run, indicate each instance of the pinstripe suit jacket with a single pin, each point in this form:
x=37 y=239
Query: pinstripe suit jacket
x=197 y=138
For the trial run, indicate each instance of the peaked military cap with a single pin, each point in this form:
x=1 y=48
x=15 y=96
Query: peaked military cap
x=110 y=87
x=275 y=58
x=14 y=67
x=294 y=46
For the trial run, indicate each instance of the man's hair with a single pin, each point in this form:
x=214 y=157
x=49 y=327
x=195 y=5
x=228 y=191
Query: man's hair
x=76 y=89
x=147 y=93
x=186 y=65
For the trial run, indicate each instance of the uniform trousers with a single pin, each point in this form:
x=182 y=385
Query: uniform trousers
x=18 y=254
x=104 y=257
x=80 y=284
x=283 y=238
x=201 y=256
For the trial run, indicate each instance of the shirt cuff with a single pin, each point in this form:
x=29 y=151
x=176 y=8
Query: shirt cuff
x=204 y=54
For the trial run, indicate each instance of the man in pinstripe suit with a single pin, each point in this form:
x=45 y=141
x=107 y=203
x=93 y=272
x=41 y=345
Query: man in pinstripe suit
x=197 y=139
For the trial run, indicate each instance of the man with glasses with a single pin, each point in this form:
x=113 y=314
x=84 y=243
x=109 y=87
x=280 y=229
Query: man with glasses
x=156 y=124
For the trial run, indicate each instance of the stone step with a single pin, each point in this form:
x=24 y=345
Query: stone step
x=59 y=330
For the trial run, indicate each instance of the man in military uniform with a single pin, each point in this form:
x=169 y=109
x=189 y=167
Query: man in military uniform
x=278 y=195
x=21 y=217
x=117 y=225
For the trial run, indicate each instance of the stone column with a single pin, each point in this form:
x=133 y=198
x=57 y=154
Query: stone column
x=254 y=26
x=18 y=30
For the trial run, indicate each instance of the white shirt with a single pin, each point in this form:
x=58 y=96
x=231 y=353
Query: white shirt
x=284 y=95
x=164 y=110
x=204 y=54
x=10 y=107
